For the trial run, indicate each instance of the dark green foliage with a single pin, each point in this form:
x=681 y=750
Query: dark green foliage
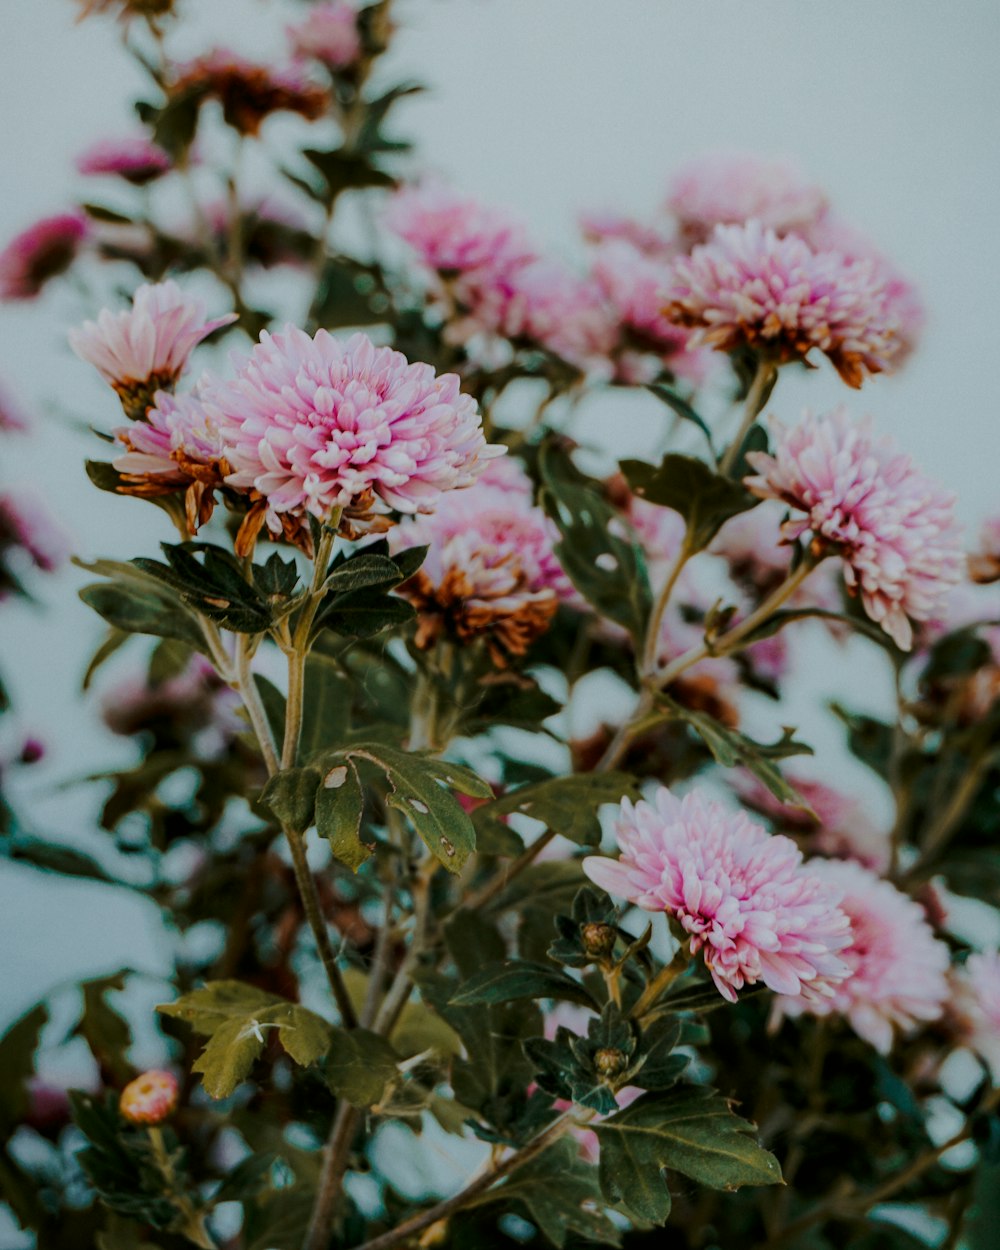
x=704 y=498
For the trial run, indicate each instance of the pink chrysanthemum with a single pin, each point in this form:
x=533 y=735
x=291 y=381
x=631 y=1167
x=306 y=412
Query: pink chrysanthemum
x=730 y=188
x=135 y=158
x=866 y=501
x=898 y=968
x=977 y=1007
x=749 y=287
x=634 y=286
x=319 y=423
x=547 y=304
x=150 y=1098
x=41 y=252
x=491 y=571
x=248 y=93
x=744 y=896
x=328 y=34
x=602 y=227
x=146 y=348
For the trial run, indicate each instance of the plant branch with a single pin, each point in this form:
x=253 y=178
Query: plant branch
x=648 y=665
x=336 y=1153
x=760 y=389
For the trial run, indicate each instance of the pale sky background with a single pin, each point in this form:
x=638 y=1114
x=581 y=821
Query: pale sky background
x=548 y=106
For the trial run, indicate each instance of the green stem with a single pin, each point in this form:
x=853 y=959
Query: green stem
x=250 y=695
x=193 y=1227
x=659 y=608
x=662 y=981
x=760 y=389
x=336 y=1154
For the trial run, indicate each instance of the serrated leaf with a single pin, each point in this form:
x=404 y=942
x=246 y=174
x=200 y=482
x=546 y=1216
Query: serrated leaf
x=689 y=1130
x=340 y=805
x=520 y=978
x=215 y=587
x=275 y=578
x=136 y=609
x=360 y=1066
x=343 y=170
x=704 y=498
x=567 y=804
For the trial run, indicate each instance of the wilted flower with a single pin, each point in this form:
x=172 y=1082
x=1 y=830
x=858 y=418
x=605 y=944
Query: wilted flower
x=329 y=34
x=748 y=287
x=146 y=348
x=491 y=571
x=41 y=252
x=977 y=1007
x=135 y=158
x=320 y=423
x=865 y=501
x=247 y=92
x=731 y=188
x=602 y=227
x=150 y=1098
x=743 y=895
x=27 y=538
x=984 y=564
x=898 y=968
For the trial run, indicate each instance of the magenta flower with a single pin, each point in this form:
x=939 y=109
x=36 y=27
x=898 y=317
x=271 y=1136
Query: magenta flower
x=134 y=158
x=748 y=287
x=731 y=188
x=865 y=501
x=41 y=252
x=28 y=539
x=977 y=1007
x=316 y=424
x=328 y=34
x=898 y=975
x=746 y=900
x=146 y=348
x=491 y=571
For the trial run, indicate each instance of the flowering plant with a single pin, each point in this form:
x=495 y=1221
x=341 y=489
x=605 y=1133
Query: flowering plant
x=421 y=881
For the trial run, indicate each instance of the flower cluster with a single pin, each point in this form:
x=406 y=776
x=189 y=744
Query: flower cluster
x=750 y=907
x=865 y=501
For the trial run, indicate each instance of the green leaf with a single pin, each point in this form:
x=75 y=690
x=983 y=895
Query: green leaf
x=17 y=1064
x=689 y=1130
x=104 y=1030
x=275 y=578
x=357 y=602
x=567 y=804
x=135 y=603
x=350 y=294
x=216 y=587
x=327 y=706
x=360 y=1066
x=520 y=978
x=343 y=170
x=291 y=797
x=598 y=552
x=236 y=1018
x=869 y=739
x=704 y=498
x=340 y=805
x=683 y=410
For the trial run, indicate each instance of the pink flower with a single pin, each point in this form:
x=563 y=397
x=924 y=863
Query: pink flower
x=602 y=227
x=547 y=304
x=748 y=287
x=12 y=419
x=329 y=34
x=898 y=968
x=193 y=704
x=744 y=896
x=491 y=571
x=27 y=538
x=318 y=423
x=247 y=92
x=865 y=501
x=146 y=348
x=977 y=1006
x=41 y=252
x=150 y=1098
x=134 y=158
x=731 y=188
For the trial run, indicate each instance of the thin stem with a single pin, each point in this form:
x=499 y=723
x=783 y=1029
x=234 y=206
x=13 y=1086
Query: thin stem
x=760 y=389
x=336 y=1154
x=941 y=830
x=660 y=607
x=194 y=1220
x=667 y=975
x=299 y=650
x=250 y=695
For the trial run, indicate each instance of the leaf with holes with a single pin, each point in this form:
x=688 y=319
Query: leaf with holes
x=340 y=805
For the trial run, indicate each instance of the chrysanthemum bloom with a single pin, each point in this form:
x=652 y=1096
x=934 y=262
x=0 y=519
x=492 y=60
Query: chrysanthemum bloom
x=41 y=252
x=491 y=571
x=150 y=1098
x=602 y=227
x=984 y=564
x=976 y=1005
x=194 y=706
x=12 y=419
x=135 y=158
x=248 y=93
x=547 y=305
x=321 y=423
x=749 y=287
x=750 y=906
x=634 y=286
x=146 y=348
x=28 y=539
x=865 y=501
x=898 y=975
x=329 y=34
x=731 y=188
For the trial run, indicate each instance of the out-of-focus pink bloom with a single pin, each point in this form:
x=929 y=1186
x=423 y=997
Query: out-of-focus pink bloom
x=319 y=423
x=12 y=419
x=41 y=252
x=984 y=564
x=601 y=227
x=195 y=703
x=749 y=287
x=750 y=906
x=328 y=34
x=146 y=348
x=865 y=501
x=134 y=157
x=898 y=975
x=731 y=188
x=27 y=538
x=150 y=1098
x=247 y=92
x=977 y=1007
x=548 y=304
x=491 y=571
x=634 y=286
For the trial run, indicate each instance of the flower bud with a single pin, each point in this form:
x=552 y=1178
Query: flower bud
x=150 y=1098
x=609 y=1062
x=598 y=939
